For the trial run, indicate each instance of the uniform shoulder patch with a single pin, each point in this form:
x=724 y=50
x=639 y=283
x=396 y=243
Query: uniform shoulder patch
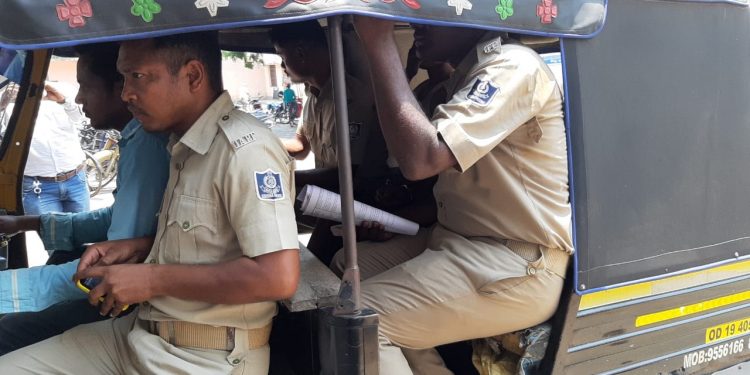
x=268 y=185
x=482 y=92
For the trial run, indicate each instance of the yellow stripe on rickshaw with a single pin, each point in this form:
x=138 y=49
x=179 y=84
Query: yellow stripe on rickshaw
x=670 y=284
x=695 y=308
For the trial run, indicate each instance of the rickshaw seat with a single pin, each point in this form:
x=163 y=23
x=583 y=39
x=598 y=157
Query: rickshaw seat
x=318 y=285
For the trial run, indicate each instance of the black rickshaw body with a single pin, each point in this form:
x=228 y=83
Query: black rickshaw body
x=658 y=119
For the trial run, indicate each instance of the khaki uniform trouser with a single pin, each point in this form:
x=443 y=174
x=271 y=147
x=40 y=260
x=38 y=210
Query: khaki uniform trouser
x=437 y=288
x=124 y=346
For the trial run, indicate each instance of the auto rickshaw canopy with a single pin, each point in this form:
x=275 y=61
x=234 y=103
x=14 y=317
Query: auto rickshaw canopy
x=34 y=24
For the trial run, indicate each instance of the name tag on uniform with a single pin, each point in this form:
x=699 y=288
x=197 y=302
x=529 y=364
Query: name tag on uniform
x=482 y=92
x=243 y=141
x=268 y=185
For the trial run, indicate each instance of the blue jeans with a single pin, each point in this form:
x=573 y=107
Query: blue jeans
x=71 y=195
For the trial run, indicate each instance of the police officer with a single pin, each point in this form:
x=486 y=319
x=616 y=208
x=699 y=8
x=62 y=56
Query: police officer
x=304 y=50
x=226 y=244
x=495 y=261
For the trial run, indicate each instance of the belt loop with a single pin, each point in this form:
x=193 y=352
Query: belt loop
x=230 y=338
x=170 y=332
x=542 y=261
x=533 y=266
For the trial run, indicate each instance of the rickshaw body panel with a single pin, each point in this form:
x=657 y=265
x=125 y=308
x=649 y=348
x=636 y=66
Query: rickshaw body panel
x=658 y=130
x=659 y=126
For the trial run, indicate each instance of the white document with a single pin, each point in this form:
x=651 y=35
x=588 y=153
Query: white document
x=319 y=202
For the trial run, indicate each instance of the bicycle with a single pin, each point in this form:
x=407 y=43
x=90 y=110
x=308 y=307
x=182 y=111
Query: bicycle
x=101 y=164
x=108 y=157
x=94 y=174
x=279 y=114
x=293 y=110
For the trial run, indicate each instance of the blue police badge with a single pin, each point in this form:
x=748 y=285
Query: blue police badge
x=482 y=92
x=268 y=185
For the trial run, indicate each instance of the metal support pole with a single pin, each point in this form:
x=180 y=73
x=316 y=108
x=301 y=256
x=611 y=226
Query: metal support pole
x=348 y=333
x=348 y=299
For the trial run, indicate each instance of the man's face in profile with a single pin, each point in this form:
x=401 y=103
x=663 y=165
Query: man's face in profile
x=99 y=100
x=291 y=62
x=154 y=96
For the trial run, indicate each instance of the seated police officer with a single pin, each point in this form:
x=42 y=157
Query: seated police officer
x=496 y=259
x=208 y=280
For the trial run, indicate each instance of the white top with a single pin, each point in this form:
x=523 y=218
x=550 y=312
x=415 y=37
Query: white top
x=55 y=147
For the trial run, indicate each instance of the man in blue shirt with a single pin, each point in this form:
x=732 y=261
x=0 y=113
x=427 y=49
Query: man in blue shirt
x=143 y=172
x=290 y=102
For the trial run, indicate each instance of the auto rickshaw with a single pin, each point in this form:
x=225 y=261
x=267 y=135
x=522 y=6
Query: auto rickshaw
x=658 y=121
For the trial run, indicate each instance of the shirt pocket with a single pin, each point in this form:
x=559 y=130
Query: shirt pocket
x=192 y=221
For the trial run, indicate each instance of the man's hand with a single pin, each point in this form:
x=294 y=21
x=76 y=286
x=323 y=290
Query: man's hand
x=372 y=30
x=298 y=147
x=114 y=252
x=373 y=231
x=122 y=284
x=9 y=95
x=13 y=224
x=53 y=94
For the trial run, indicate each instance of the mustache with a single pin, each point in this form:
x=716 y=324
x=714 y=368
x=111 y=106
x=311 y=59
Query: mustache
x=134 y=109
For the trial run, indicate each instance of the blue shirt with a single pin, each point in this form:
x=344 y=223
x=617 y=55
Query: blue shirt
x=143 y=169
x=6 y=57
x=289 y=96
x=14 y=72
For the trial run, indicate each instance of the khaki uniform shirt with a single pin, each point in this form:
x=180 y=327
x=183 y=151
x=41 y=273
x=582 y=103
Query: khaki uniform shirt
x=504 y=124
x=368 y=149
x=229 y=194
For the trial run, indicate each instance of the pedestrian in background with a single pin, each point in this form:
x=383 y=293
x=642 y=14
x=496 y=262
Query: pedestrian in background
x=54 y=179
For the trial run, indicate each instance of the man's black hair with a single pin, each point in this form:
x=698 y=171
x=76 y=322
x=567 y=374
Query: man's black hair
x=102 y=60
x=202 y=46
x=305 y=33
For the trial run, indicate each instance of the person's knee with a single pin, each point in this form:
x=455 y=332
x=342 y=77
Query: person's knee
x=14 y=332
x=338 y=263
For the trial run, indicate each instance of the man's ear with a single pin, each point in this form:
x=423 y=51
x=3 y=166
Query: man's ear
x=301 y=53
x=196 y=74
